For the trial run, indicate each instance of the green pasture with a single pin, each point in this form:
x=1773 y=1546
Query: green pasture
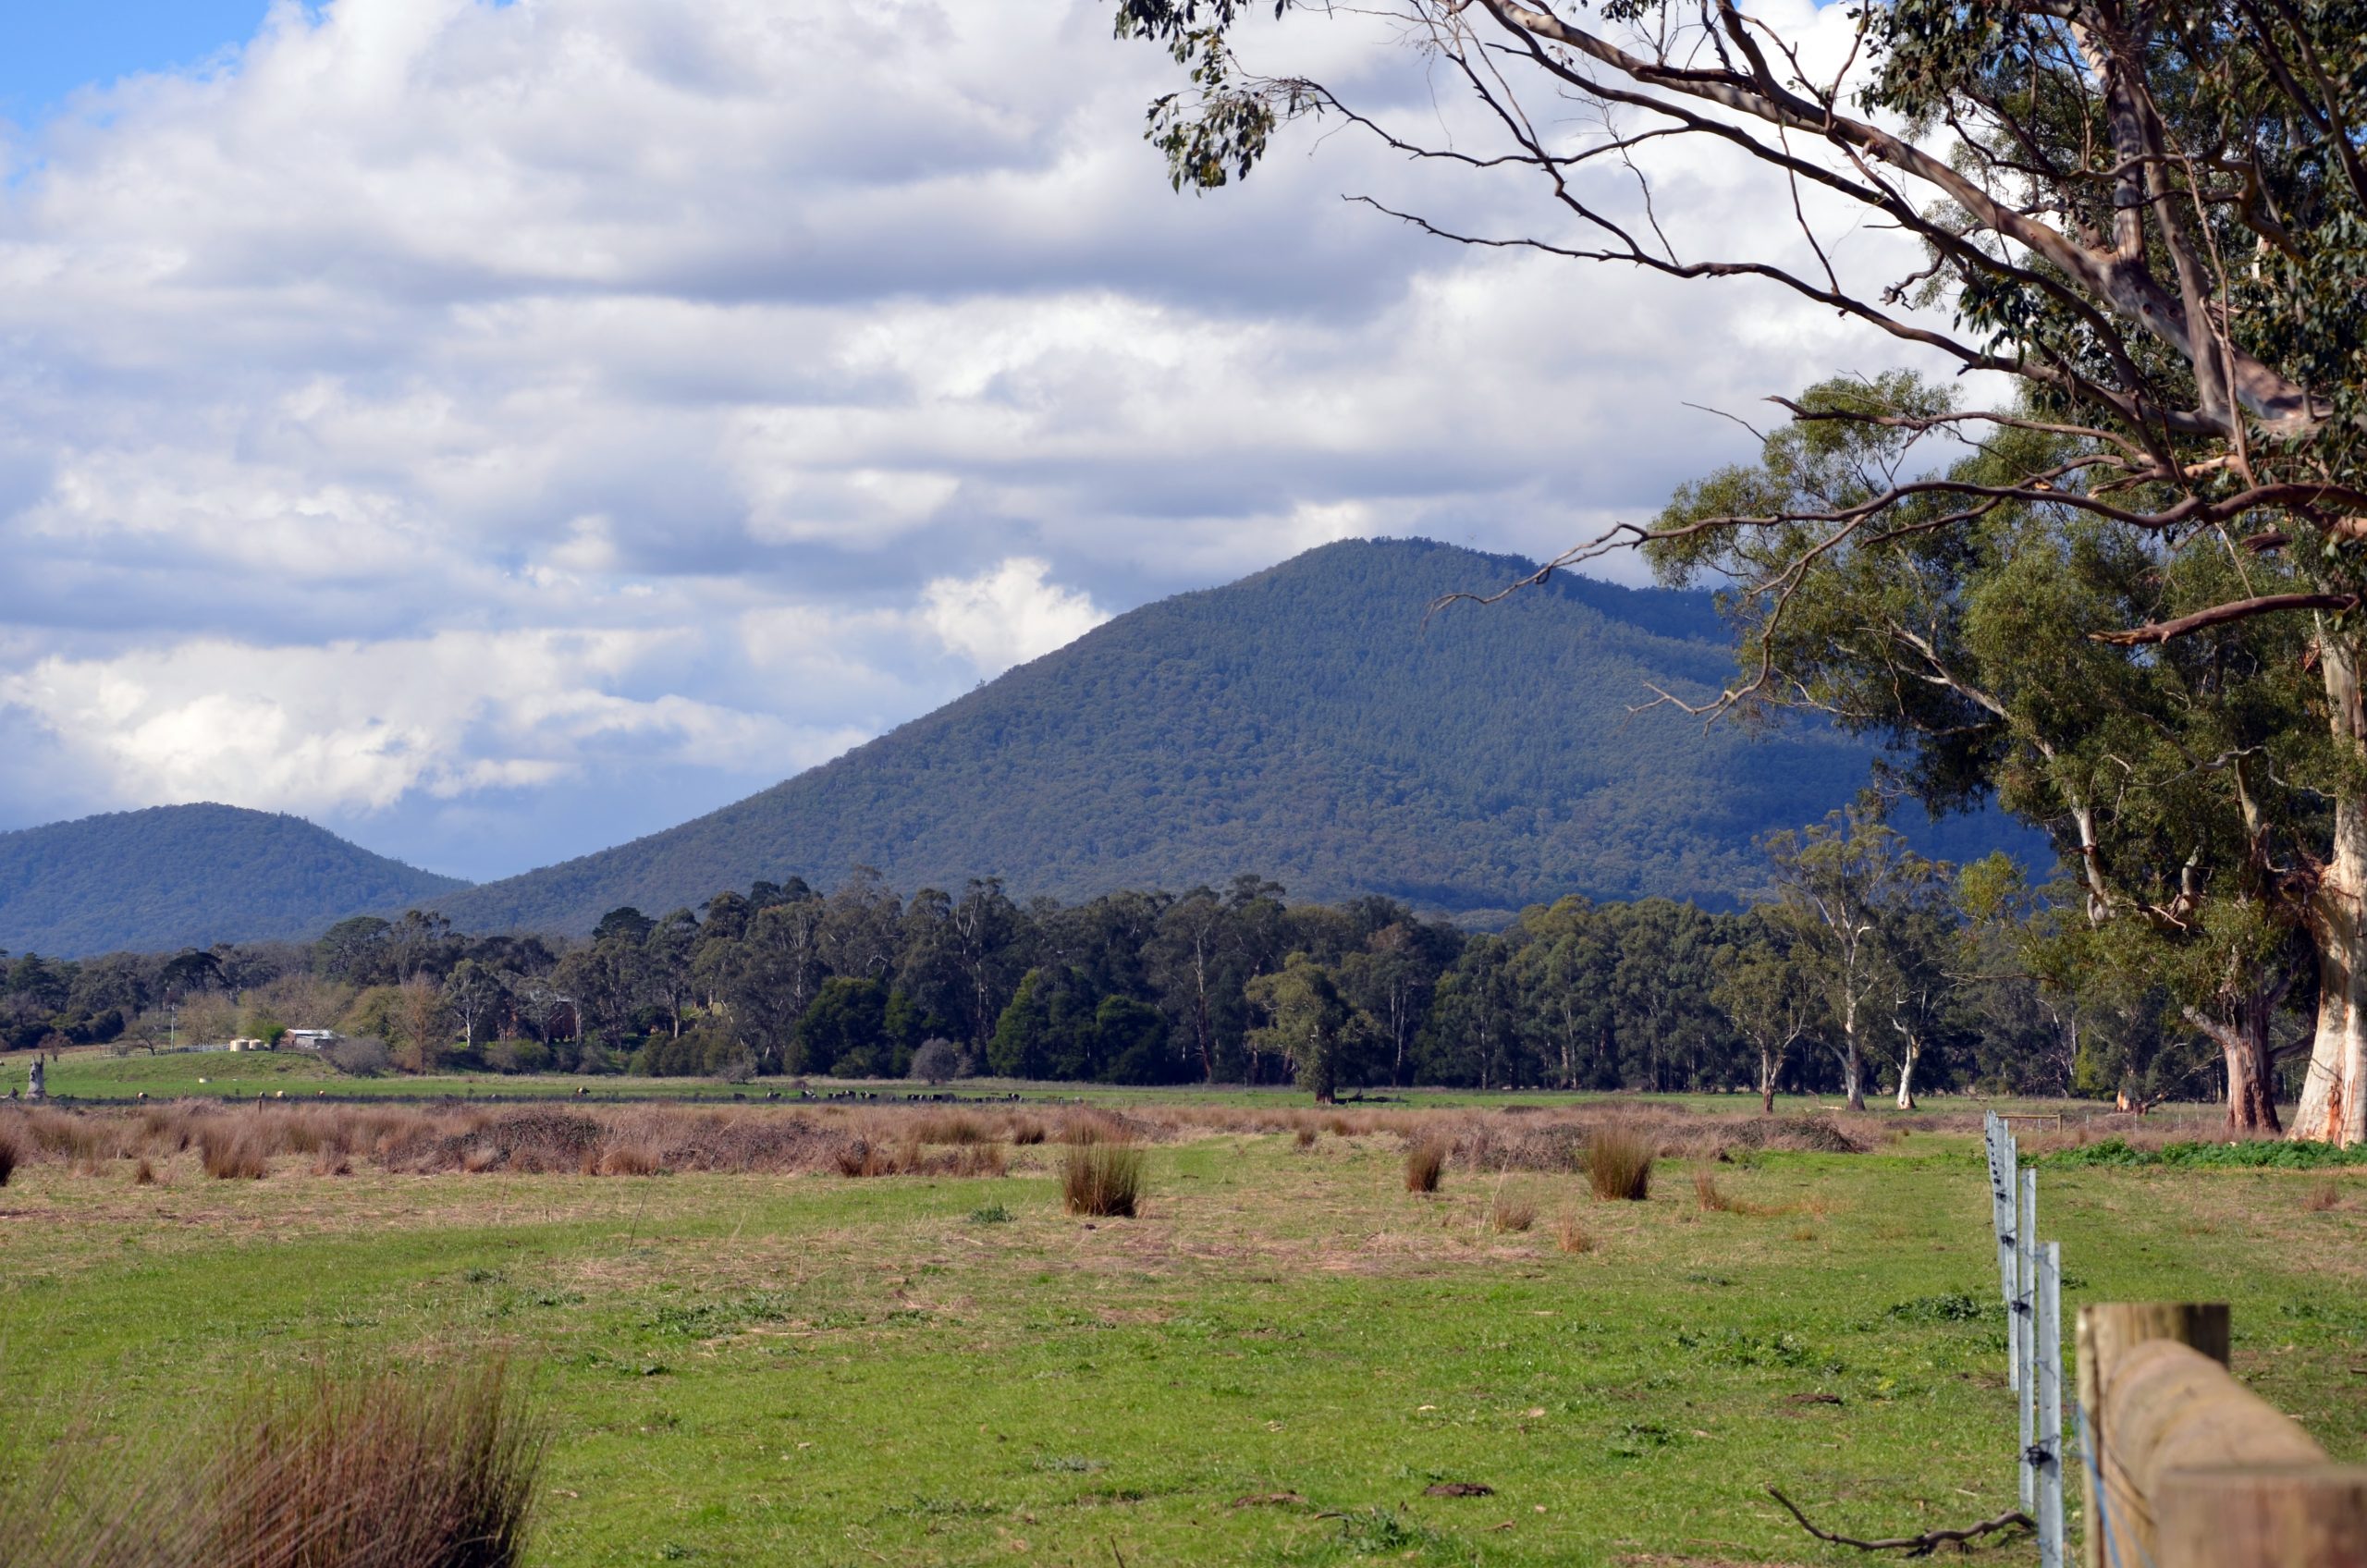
x=757 y=1370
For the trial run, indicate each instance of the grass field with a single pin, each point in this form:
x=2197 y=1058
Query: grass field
x=748 y=1369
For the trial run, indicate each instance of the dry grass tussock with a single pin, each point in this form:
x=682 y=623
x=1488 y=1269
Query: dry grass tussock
x=1425 y=1164
x=379 y=1471
x=2324 y=1195
x=12 y=1154
x=1706 y=1194
x=254 y=1142
x=1509 y=1215
x=1619 y=1163
x=1571 y=1236
x=1102 y=1179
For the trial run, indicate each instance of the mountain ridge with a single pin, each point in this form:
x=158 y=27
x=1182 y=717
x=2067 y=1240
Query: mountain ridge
x=189 y=875
x=1314 y=723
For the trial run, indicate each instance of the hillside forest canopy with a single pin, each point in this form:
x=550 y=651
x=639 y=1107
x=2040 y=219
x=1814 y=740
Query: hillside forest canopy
x=2148 y=226
x=1870 y=970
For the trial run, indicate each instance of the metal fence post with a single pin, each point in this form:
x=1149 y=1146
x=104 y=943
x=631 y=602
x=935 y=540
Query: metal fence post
x=2025 y=1330
x=2047 y=1452
x=2001 y=1218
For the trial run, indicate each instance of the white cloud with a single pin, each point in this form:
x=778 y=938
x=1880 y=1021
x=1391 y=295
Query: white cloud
x=1007 y=616
x=446 y=401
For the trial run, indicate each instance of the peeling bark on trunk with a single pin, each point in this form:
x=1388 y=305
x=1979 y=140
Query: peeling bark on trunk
x=2334 y=1098
x=1769 y=1065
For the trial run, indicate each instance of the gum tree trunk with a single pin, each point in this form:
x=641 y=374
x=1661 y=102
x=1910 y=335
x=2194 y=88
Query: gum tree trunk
x=2334 y=1096
x=1906 y=1075
x=2244 y=1046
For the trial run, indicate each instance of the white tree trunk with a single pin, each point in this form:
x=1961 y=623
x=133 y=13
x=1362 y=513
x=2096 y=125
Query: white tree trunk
x=1906 y=1076
x=2334 y=1096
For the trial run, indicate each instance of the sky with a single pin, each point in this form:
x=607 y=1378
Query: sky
x=499 y=430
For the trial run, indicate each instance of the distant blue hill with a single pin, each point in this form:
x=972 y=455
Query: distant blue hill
x=1311 y=724
x=178 y=876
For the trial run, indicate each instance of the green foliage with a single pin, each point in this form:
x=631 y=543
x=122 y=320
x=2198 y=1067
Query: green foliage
x=2254 y=1154
x=1311 y=724
x=188 y=877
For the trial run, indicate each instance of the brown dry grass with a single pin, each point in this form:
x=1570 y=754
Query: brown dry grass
x=1102 y=1178
x=2324 y=1195
x=1425 y=1164
x=1508 y=1216
x=1706 y=1195
x=334 y=1472
x=1571 y=1236
x=1619 y=1163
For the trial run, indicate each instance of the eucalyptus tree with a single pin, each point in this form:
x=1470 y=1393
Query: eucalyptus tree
x=1846 y=889
x=2148 y=221
x=2174 y=781
x=1771 y=1001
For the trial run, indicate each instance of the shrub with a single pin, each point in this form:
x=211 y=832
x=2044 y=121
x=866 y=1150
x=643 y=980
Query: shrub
x=1510 y=1215
x=1706 y=1194
x=1425 y=1163
x=990 y=1214
x=1619 y=1164
x=936 y=1061
x=364 y=1057
x=1571 y=1236
x=1102 y=1178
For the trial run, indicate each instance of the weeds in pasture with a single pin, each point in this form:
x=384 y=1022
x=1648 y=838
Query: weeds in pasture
x=1101 y=1179
x=1706 y=1195
x=1510 y=1215
x=1619 y=1164
x=990 y=1214
x=2324 y=1195
x=1571 y=1236
x=1425 y=1164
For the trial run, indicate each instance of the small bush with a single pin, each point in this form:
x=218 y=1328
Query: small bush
x=1706 y=1196
x=1508 y=1216
x=1619 y=1164
x=364 y=1057
x=990 y=1214
x=1571 y=1236
x=1425 y=1163
x=1102 y=1178
x=936 y=1061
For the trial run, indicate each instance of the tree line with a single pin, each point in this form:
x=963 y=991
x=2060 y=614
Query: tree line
x=1870 y=968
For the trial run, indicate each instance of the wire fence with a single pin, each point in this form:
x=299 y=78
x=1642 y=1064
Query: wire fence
x=2030 y=1275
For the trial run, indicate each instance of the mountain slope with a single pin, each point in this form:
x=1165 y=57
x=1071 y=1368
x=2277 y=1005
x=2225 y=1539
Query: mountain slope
x=1306 y=724
x=175 y=876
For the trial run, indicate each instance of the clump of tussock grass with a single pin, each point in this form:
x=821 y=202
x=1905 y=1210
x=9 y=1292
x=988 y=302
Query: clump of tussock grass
x=332 y=1472
x=1425 y=1165
x=1510 y=1216
x=1103 y=1178
x=231 y=1153
x=1706 y=1196
x=631 y=1156
x=2322 y=1196
x=1571 y=1236
x=1303 y=1138
x=12 y=1154
x=1619 y=1164
x=1026 y=1131
x=143 y=1174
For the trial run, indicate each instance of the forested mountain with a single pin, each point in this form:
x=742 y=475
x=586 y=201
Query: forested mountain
x=1307 y=724
x=175 y=876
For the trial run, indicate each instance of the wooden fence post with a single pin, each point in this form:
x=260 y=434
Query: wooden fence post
x=2287 y=1516
x=2105 y=1331
x=2199 y=1471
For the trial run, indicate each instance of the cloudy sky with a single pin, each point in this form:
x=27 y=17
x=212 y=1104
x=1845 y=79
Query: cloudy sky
x=498 y=430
